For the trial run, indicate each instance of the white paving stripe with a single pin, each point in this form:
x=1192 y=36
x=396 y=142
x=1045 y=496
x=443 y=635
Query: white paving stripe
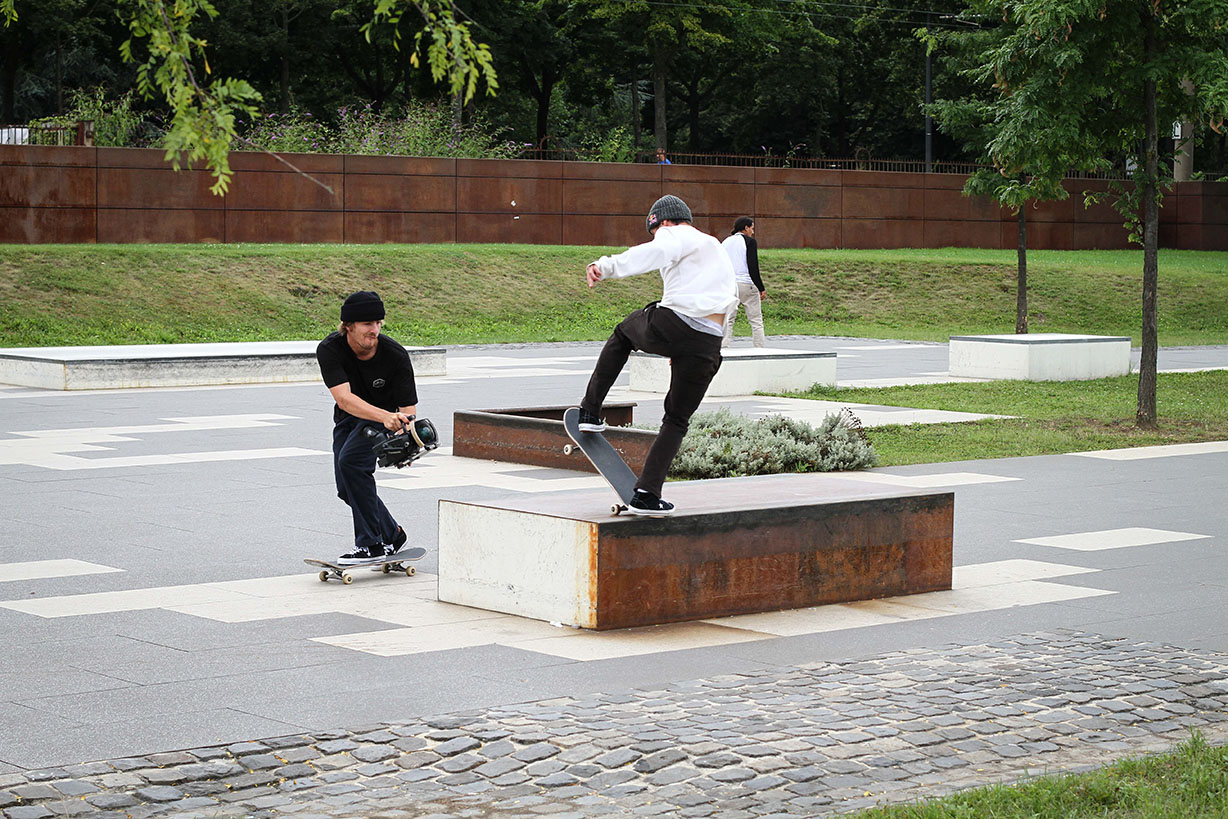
x=884 y=347
x=42 y=569
x=925 y=481
x=422 y=623
x=1112 y=539
x=441 y=469
x=56 y=448
x=813 y=412
x=1165 y=451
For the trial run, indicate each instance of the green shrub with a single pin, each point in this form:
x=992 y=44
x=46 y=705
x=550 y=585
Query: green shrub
x=722 y=445
x=418 y=129
x=115 y=123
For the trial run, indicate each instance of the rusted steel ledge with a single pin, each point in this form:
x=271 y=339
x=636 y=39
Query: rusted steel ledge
x=736 y=546
x=535 y=435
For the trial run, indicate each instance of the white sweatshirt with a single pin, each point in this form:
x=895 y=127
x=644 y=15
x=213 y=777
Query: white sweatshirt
x=735 y=248
x=696 y=270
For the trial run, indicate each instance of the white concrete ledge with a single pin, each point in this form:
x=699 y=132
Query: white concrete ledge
x=177 y=365
x=1039 y=356
x=744 y=371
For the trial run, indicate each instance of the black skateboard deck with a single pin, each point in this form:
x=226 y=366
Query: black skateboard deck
x=387 y=565
x=604 y=458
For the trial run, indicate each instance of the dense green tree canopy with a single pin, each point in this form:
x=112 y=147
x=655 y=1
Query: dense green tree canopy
x=606 y=79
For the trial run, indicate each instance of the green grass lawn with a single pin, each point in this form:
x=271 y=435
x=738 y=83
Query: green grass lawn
x=1192 y=781
x=453 y=294
x=1051 y=417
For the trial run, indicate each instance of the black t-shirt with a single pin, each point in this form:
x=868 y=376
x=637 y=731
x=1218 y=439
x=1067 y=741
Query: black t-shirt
x=386 y=380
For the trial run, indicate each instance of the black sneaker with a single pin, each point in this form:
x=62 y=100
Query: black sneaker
x=397 y=542
x=590 y=422
x=646 y=503
x=362 y=554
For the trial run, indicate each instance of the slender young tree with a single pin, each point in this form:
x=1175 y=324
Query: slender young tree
x=1029 y=150
x=1095 y=78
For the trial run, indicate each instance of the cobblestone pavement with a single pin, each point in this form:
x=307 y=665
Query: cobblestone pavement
x=811 y=740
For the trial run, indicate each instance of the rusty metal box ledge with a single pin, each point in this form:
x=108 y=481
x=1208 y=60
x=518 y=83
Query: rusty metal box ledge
x=735 y=546
x=535 y=435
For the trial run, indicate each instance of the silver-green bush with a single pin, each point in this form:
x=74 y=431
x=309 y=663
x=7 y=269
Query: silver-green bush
x=722 y=445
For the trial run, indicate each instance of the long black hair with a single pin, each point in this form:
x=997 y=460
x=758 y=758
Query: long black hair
x=741 y=224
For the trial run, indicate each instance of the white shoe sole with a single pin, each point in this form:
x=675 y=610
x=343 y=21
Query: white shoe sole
x=592 y=428
x=650 y=513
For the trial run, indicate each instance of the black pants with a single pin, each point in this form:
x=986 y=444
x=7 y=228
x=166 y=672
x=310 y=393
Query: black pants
x=354 y=468
x=695 y=358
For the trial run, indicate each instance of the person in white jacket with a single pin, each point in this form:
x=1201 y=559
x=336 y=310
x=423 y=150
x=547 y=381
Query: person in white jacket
x=686 y=325
x=744 y=254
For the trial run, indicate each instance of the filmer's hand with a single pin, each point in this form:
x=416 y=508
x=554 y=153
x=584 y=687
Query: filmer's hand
x=593 y=274
x=395 y=421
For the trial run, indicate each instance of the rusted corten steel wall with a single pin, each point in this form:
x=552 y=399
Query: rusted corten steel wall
x=78 y=194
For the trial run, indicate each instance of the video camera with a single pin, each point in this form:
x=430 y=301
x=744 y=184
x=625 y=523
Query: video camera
x=400 y=449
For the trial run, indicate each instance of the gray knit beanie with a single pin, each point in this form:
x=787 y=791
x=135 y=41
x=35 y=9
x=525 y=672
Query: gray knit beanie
x=667 y=207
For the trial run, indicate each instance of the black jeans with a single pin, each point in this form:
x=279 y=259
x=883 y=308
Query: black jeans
x=354 y=468
x=694 y=356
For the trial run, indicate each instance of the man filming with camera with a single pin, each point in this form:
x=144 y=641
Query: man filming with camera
x=372 y=380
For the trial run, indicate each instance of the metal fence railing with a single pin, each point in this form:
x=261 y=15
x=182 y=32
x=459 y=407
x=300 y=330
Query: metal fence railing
x=82 y=133
x=78 y=133
x=764 y=160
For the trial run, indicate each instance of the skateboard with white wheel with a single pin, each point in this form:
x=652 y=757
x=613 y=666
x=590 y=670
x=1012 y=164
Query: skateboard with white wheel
x=387 y=564
x=604 y=458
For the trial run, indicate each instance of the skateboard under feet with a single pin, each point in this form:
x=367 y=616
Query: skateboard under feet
x=387 y=565
x=604 y=458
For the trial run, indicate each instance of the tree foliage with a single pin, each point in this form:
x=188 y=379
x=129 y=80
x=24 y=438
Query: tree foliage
x=172 y=63
x=1090 y=84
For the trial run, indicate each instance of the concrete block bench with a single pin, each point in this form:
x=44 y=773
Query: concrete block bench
x=535 y=435
x=1039 y=356
x=744 y=371
x=736 y=546
x=177 y=365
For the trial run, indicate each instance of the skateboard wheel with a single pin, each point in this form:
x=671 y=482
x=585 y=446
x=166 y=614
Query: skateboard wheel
x=568 y=449
x=410 y=571
x=616 y=508
x=347 y=578
x=323 y=577
x=385 y=568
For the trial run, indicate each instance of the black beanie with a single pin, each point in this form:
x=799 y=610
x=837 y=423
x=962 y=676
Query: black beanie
x=364 y=305
x=667 y=207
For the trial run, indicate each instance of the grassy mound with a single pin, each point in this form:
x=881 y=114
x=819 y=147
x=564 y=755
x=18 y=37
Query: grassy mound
x=454 y=294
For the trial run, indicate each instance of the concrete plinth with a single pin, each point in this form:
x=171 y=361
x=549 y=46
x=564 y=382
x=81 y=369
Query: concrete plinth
x=1039 y=356
x=736 y=546
x=744 y=371
x=177 y=365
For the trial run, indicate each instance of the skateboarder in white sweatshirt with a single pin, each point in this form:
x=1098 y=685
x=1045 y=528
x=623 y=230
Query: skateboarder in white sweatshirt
x=686 y=326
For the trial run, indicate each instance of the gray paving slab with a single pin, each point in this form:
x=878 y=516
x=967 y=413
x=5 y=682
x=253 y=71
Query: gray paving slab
x=169 y=524
x=814 y=739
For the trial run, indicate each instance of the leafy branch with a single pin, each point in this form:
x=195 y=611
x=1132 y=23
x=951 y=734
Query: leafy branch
x=202 y=124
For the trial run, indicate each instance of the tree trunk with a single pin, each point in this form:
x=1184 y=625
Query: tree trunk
x=660 y=136
x=543 y=105
x=1146 y=415
x=59 y=76
x=283 y=104
x=1021 y=281
x=8 y=85
x=693 y=103
x=636 y=114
